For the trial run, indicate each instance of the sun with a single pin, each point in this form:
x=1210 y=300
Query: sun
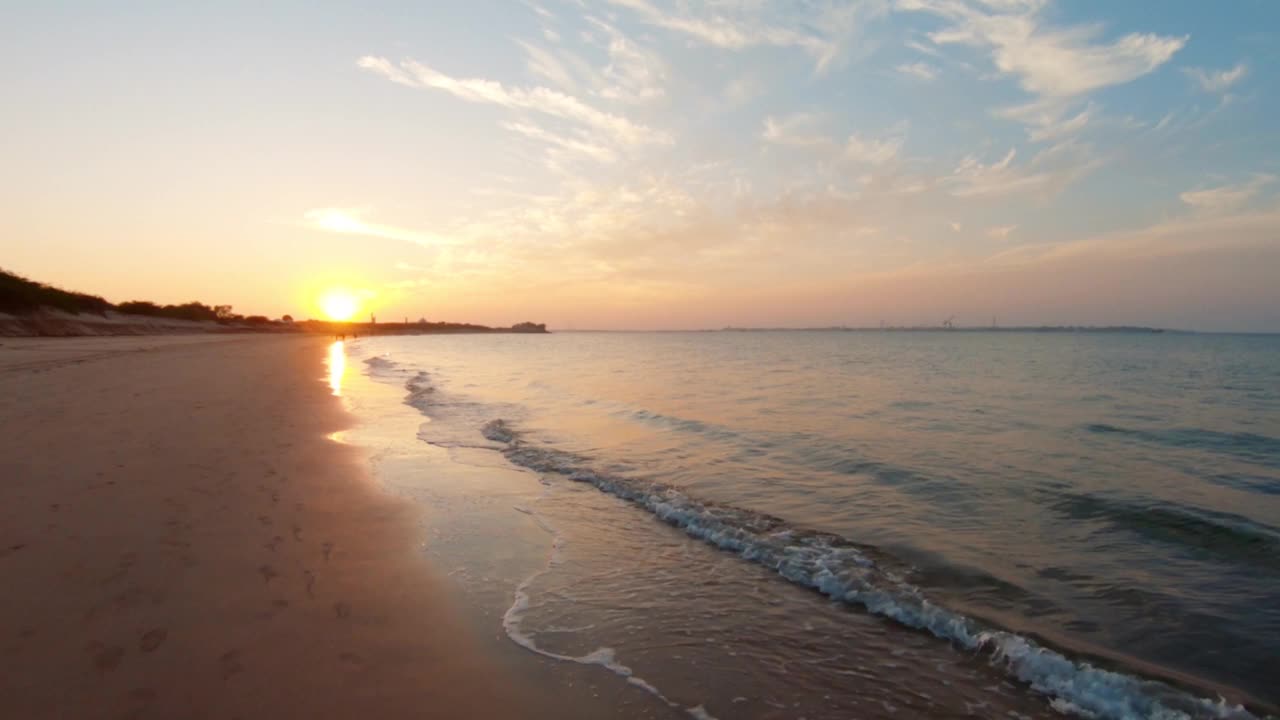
x=339 y=305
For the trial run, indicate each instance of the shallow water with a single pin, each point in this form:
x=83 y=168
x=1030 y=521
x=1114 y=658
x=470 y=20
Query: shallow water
x=993 y=522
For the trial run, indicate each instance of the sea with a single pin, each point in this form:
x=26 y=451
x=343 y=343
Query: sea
x=854 y=524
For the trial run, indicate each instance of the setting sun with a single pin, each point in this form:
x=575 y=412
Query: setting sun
x=339 y=305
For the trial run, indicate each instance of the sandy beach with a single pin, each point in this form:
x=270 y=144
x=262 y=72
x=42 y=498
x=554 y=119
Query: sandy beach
x=180 y=538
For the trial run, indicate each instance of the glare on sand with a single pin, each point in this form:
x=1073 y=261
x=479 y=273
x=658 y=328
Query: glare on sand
x=337 y=366
x=339 y=305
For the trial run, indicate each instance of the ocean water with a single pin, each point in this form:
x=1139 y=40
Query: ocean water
x=865 y=524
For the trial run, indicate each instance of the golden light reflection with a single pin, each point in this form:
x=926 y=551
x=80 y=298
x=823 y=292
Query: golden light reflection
x=337 y=366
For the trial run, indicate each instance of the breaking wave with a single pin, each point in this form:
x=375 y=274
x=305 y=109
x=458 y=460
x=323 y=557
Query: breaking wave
x=378 y=362
x=420 y=391
x=847 y=572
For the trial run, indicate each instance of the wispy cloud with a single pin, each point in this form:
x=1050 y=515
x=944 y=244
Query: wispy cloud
x=349 y=221
x=1226 y=198
x=872 y=151
x=635 y=73
x=1216 y=81
x=1048 y=172
x=721 y=31
x=1185 y=235
x=741 y=25
x=831 y=190
x=1048 y=61
x=546 y=65
x=918 y=70
x=1048 y=119
x=972 y=177
x=1058 y=65
x=557 y=143
x=807 y=130
x=538 y=99
x=742 y=89
x=797 y=130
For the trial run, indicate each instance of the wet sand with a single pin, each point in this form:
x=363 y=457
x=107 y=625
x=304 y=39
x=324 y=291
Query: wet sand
x=179 y=537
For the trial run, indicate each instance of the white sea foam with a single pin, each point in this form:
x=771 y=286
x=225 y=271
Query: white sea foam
x=605 y=657
x=420 y=391
x=845 y=572
x=379 y=362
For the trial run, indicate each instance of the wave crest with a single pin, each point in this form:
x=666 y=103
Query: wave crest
x=845 y=571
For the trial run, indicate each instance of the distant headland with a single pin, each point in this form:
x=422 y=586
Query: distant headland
x=419 y=327
x=33 y=309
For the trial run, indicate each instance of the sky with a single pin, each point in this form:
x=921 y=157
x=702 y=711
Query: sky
x=647 y=164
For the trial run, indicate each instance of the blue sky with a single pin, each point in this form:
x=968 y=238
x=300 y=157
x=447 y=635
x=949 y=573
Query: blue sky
x=656 y=163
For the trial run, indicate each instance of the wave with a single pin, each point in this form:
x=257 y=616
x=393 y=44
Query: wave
x=845 y=571
x=1248 y=483
x=419 y=385
x=379 y=362
x=1223 y=534
x=1250 y=447
x=605 y=657
x=420 y=391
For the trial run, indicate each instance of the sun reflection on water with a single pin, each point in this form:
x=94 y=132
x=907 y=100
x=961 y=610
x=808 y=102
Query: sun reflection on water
x=337 y=366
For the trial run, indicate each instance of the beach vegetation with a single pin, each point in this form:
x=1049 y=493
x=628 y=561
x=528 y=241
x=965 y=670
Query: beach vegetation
x=20 y=296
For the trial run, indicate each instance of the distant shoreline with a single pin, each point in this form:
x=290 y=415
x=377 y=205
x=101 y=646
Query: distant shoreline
x=420 y=327
x=48 y=322
x=1046 y=329
x=1133 y=329
x=33 y=309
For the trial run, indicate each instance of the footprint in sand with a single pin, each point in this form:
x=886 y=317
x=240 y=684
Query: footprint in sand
x=297 y=533
x=342 y=610
x=266 y=521
x=229 y=664
x=311 y=582
x=325 y=549
x=105 y=657
x=351 y=658
x=142 y=695
x=268 y=573
x=152 y=639
x=274 y=543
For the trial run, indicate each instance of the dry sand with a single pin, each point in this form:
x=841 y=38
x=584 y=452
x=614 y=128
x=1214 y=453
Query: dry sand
x=179 y=539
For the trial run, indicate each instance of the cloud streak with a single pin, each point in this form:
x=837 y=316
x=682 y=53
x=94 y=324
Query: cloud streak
x=1226 y=198
x=543 y=100
x=1048 y=61
x=822 y=34
x=918 y=70
x=1216 y=81
x=347 y=221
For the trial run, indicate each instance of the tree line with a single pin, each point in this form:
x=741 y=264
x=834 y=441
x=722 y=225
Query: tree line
x=20 y=296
